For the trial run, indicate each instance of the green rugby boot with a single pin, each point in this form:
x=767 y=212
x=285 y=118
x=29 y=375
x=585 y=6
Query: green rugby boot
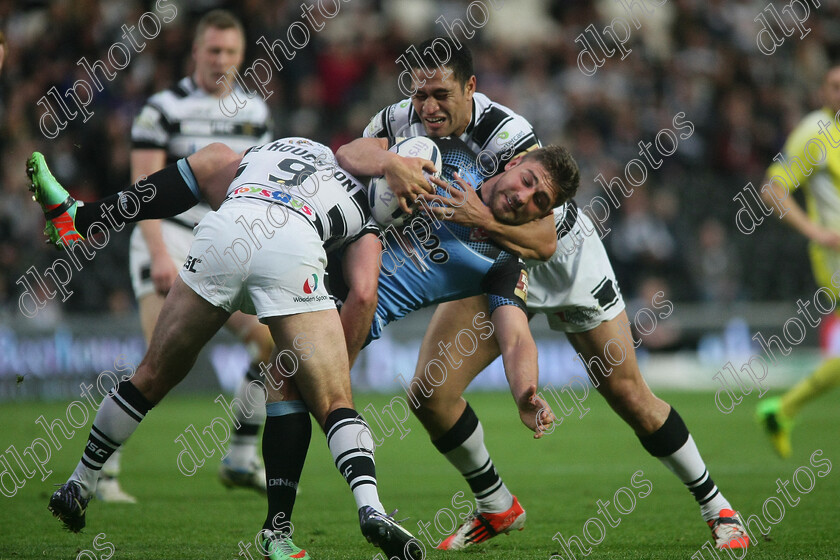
x=277 y=547
x=58 y=206
x=776 y=425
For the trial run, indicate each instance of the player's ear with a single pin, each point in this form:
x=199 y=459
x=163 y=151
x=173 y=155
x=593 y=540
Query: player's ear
x=514 y=162
x=469 y=87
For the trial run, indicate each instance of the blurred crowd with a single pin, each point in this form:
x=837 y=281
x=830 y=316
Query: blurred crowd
x=676 y=231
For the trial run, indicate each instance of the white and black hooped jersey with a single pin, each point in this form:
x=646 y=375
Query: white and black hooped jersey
x=496 y=133
x=303 y=177
x=185 y=118
x=493 y=130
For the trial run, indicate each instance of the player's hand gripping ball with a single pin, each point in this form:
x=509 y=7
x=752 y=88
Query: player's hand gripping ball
x=384 y=204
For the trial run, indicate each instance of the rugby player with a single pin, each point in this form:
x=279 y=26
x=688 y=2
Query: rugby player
x=290 y=221
x=173 y=124
x=821 y=226
x=576 y=290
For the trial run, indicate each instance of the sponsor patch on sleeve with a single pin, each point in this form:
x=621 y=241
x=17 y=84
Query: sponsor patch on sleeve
x=521 y=289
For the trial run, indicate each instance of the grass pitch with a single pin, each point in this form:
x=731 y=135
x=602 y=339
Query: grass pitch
x=558 y=479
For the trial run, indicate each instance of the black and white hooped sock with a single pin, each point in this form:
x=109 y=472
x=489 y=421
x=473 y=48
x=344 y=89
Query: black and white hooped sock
x=463 y=445
x=351 y=445
x=119 y=415
x=673 y=445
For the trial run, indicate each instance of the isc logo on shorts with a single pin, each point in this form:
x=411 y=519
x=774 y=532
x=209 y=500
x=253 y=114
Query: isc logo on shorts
x=189 y=264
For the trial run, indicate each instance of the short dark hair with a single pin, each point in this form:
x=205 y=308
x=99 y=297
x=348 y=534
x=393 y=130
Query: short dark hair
x=442 y=51
x=218 y=19
x=562 y=169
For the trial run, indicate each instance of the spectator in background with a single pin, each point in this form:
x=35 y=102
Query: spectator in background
x=716 y=267
x=641 y=242
x=2 y=49
x=173 y=124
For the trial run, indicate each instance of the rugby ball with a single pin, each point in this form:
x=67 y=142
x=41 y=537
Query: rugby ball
x=384 y=205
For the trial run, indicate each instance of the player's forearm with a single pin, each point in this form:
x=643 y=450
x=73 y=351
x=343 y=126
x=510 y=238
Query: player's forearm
x=153 y=235
x=365 y=156
x=356 y=318
x=536 y=240
x=361 y=271
x=521 y=368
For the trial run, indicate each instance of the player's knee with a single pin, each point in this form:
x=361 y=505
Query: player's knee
x=432 y=402
x=367 y=296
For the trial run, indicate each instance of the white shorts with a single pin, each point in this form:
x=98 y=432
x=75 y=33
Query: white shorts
x=575 y=289
x=265 y=271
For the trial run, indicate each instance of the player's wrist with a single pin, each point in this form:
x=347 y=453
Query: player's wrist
x=522 y=396
x=483 y=217
x=812 y=231
x=390 y=163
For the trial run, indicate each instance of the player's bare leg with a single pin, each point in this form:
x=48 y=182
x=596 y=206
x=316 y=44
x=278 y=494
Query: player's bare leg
x=241 y=468
x=659 y=428
x=454 y=427
x=441 y=407
x=623 y=387
x=185 y=325
x=323 y=380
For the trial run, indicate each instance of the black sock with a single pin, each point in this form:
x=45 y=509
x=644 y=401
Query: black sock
x=669 y=438
x=285 y=443
x=163 y=194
